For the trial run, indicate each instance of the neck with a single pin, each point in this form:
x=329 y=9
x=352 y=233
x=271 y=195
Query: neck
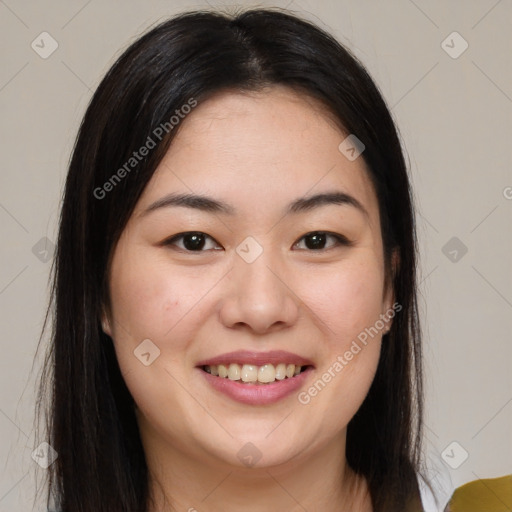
x=323 y=481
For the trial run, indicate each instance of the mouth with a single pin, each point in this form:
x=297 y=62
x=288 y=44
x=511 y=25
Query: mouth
x=255 y=378
x=251 y=374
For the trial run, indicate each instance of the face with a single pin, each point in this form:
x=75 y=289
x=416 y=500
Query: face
x=286 y=285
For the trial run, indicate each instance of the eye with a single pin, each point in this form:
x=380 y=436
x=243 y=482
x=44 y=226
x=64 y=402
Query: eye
x=196 y=241
x=193 y=241
x=317 y=240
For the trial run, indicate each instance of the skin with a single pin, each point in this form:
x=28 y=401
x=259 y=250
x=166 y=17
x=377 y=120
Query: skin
x=257 y=152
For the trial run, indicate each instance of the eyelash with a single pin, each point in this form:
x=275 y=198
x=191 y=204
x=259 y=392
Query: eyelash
x=340 y=240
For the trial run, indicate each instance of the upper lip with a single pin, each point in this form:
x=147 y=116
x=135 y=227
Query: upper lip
x=257 y=358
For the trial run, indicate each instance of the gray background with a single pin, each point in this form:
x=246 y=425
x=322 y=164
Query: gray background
x=455 y=118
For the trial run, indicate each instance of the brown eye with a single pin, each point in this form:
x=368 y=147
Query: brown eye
x=316 y=240
x=197 y=241
x=192 y=241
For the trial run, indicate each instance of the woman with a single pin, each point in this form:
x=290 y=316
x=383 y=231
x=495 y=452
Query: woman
x=236 y=323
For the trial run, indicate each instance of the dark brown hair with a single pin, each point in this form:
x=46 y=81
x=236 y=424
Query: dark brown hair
x=90 y=420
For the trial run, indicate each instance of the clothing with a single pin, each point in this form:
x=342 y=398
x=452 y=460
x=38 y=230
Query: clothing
x=435 y=484
x=489 y=494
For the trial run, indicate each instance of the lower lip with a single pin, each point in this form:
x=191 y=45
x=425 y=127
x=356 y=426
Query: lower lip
x=257 y=394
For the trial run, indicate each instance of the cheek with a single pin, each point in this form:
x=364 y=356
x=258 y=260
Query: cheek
x=149 y=304
x=348 y=300
x=151 y=300
x=146 y=300
x=348 y=303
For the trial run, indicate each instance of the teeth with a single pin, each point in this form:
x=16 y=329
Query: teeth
x=234 y=371
x=280 y=371
x=267 y=373
x=250 y=373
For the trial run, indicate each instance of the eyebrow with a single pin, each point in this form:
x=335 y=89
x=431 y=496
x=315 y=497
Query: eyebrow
x=211 y=205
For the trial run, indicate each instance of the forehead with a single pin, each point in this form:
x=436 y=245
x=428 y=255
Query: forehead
x=267 y=148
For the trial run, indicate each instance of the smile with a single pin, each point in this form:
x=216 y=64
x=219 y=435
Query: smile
x=256 y=393
x=253 y=374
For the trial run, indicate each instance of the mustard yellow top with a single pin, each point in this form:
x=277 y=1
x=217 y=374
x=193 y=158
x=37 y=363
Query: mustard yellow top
x=484 y=495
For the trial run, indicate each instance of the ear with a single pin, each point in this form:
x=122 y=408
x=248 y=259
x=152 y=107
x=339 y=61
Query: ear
x=389 y=292
x=105 y=323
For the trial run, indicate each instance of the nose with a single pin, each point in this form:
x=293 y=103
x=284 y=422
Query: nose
x=259 y=297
